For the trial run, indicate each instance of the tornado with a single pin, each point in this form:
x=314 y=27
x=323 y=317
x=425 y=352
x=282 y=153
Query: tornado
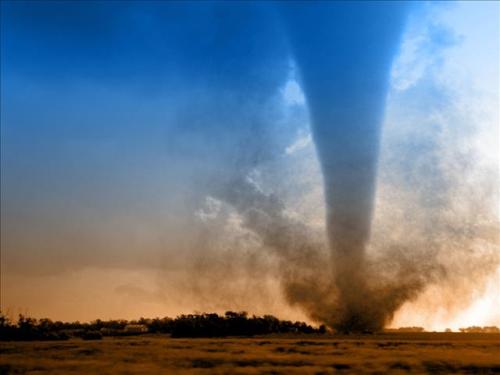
x=343 y=53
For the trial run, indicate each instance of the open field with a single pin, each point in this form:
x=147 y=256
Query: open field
x=299 y=354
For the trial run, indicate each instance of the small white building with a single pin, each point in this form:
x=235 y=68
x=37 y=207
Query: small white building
x=135 y=328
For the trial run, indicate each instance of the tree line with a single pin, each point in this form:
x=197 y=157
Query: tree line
x=191 y=325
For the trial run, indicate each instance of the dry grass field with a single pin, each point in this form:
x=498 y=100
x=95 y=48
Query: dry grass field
x=301 y=354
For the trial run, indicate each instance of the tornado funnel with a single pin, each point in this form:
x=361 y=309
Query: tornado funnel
x=343 y=52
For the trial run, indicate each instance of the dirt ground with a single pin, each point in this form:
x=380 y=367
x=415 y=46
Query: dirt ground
x=157 y=354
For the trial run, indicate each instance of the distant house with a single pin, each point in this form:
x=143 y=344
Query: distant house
x=135 y=328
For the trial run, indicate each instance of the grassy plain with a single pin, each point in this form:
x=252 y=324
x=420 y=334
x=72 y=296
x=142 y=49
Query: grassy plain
x=299 y=354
